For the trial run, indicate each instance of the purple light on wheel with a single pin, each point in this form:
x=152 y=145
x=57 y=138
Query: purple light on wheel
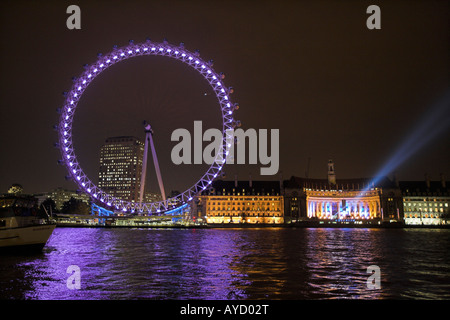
x=92 y=72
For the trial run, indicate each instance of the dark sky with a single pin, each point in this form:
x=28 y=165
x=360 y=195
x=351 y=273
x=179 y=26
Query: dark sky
x=312 y=69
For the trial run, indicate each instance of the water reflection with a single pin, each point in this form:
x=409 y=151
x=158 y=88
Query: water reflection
x=232 y=264
x=338 y=260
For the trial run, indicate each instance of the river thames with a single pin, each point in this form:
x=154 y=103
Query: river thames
x=232 y=264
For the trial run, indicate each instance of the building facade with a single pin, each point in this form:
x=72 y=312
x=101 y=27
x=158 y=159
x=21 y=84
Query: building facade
x=359 y=200
x=343 y=204
x=240 y=202
x=15 y=189
x=426 y=202
x=60 y=195
x=120 y=167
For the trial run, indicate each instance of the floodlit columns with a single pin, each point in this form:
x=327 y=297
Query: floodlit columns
x=324 y=204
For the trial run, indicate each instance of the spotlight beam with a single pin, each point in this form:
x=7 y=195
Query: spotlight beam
x=433 y=124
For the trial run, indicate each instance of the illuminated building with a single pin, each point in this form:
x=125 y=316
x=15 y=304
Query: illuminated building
x=152 y=197
x=342 y=199
x=121 y=166
x=426 y=202
x=15 y=189
x=60 y=195
x=236 y=201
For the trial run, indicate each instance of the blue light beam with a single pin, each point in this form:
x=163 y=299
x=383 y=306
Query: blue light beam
x=435 y=122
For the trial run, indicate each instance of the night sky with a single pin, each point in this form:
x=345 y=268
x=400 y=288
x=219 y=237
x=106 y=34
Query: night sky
x=312 y=69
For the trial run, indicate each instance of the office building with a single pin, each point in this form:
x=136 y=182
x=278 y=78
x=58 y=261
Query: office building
x=121 y=167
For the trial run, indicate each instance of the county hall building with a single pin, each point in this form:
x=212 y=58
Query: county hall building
x=239 y=202
x=357 y=200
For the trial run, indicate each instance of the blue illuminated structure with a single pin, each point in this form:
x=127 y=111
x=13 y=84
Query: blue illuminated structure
x=178 y=212
x=99 y=211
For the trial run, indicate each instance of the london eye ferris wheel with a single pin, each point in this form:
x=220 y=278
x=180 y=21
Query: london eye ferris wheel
x=118 y=54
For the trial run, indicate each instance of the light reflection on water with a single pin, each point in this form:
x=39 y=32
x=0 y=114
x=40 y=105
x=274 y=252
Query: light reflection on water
x=233 y=264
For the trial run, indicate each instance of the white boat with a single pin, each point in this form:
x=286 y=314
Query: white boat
x=22 y=225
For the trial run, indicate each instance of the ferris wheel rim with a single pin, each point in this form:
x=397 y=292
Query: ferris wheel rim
x=147 y=48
